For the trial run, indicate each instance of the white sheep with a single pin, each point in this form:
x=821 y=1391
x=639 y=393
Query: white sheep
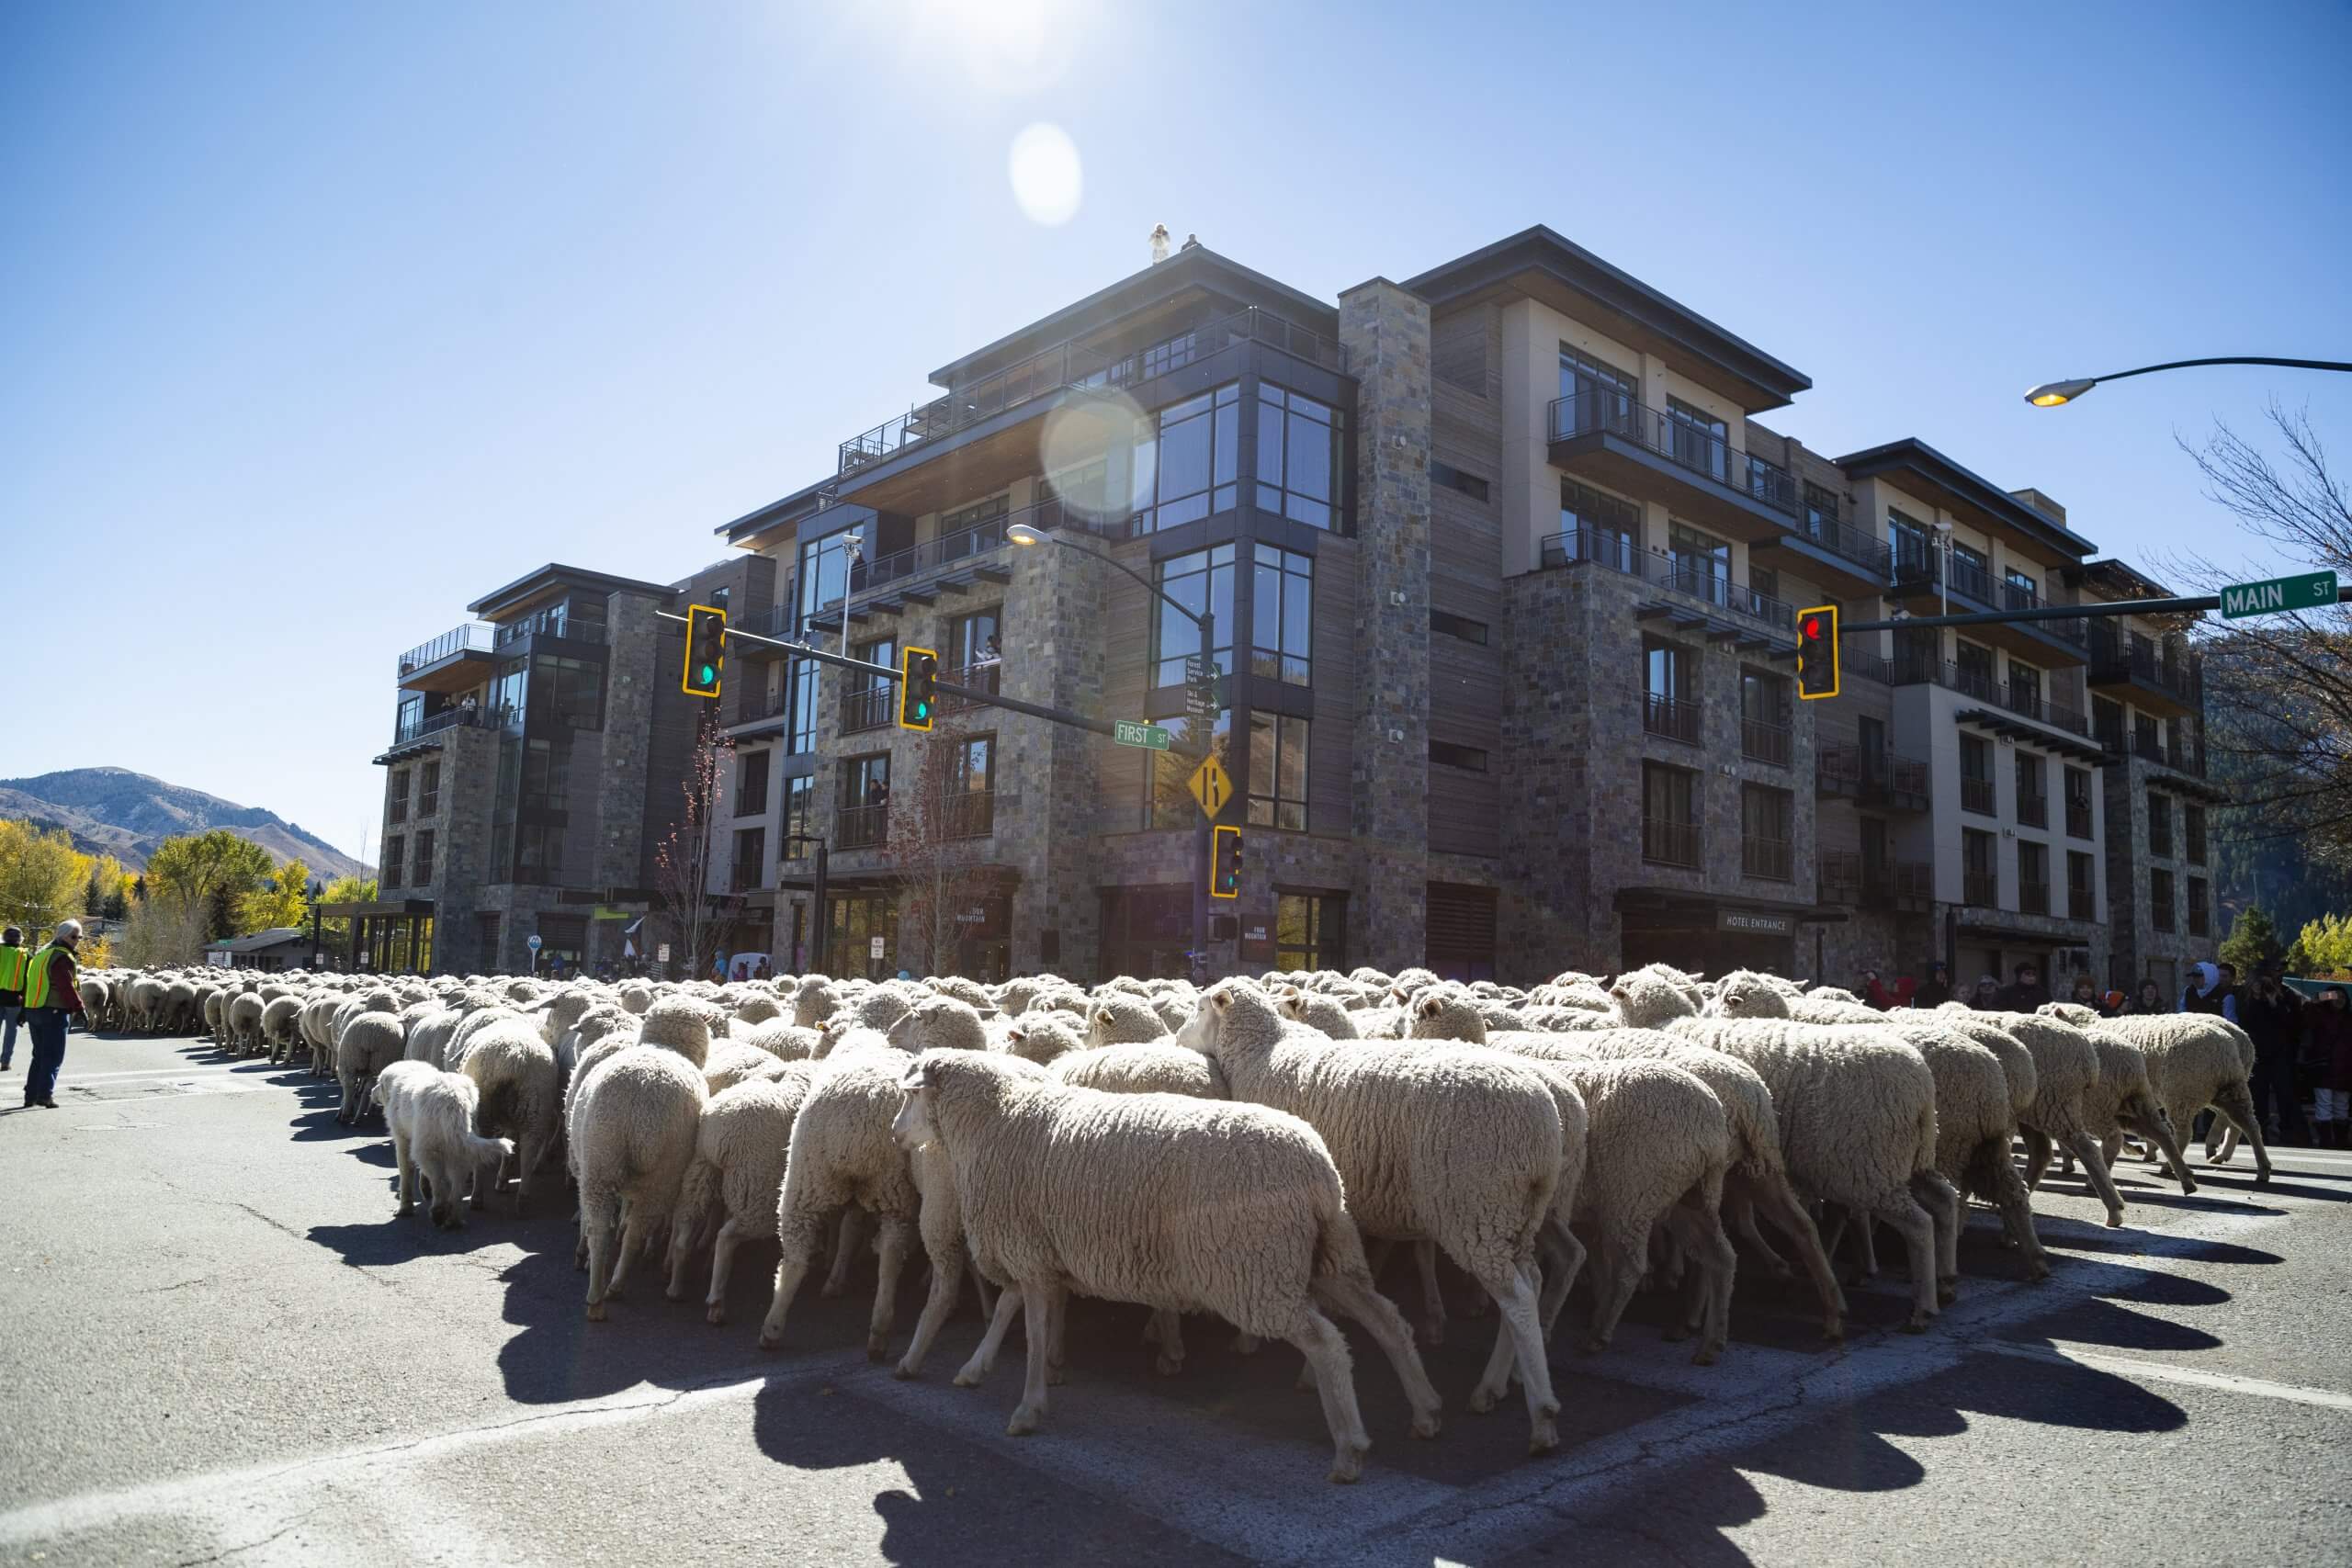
x=522 y=1095
x=368 y=1044
x=1432 y=1145
x=430 y=1115
x=1041 y=1035
x=636 y=1125
x=1152 y=1067
x=738 y=1173
x=2195 y=1060
x=1069 y=1189
x=2066 y=1070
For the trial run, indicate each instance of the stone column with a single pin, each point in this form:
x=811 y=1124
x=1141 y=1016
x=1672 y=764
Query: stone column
x=1386 y=332
x=1047 y=779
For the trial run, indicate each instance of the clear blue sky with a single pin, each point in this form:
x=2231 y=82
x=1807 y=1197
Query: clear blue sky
x=317 y=321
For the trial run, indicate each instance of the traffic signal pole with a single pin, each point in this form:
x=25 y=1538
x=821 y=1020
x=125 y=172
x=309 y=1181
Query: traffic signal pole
x=2057 y=613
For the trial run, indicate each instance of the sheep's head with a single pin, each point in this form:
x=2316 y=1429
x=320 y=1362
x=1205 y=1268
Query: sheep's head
x=941 y=1023
x=1041 y=1036
x=1446 y=1013
x=1746 y=994
x=914 y=1125
x=1649 y=1001
x=881 y=1008
x=1123 y=1020
x=2074 y=1013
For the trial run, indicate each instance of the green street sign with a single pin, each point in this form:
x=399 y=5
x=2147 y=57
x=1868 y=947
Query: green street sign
x=2312 y=591
x=1127 y=732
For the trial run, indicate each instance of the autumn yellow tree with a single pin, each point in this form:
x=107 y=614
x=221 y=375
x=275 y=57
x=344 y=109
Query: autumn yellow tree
x=278 y=901
x=43 y=878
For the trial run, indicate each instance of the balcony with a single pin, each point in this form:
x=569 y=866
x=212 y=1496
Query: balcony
x=1604 y=434
x=2169 y=688
x=2079 y=820
x=1976 y=795
x=2034 y=897
x=456 y=660
x=1834 y=555
x=2148 y=747
x=1916 y=576
x=1762 y=743
x=968 y=814
x=1847 y=876
x=746 y=876
x=1977 y=681
x=1669 y=843
x=1883 y=778
x=2033 y=811
x=555 y=621
x=1980 y=888
x=2200 y=922
x=1772 y=859
x=2080 y=902
x=861 y=826
x=889 y=583
x=757 y=704
x=1672 y=717
x=1681 y=575
x=981 y=677
x=866 y=710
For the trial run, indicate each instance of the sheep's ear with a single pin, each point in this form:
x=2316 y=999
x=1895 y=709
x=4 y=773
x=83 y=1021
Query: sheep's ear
x=1430 y=1008
x=1223 y=997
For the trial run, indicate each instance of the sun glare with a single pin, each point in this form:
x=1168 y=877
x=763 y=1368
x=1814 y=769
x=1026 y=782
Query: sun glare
x=1047 y=180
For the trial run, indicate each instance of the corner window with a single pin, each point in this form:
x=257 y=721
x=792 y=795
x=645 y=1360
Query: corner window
x=1310 y=930
x=800 y=737
x=1202 y=581
x=1278 y=772
x=1283 y=608
x=1186 y=457
x=1299 y=457
x=1167 y=803
x=799 y=805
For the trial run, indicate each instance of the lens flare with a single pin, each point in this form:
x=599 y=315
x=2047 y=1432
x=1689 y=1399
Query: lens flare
x=1046 y=179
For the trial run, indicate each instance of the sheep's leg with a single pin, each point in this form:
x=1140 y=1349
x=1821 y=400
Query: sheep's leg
x=529 y=1150
x=946 y=1285
x=2159 y=1131
x=1911 y=1222
x=2095 y=1172
x=1787 y=1213
x=849 y=1238
x=683 y=1226
x=1517 y=1295
x=1563 y=1259
x=1743 y=1219
x=1360 y=1299
x=983 y=1361
x=477 y=1199
x=2221 y=1141
x=1944 y=1206
x=1432 y=1300
x=898 y=1240
x=2037 y=1155
x=403 y=1160
x=639 y=1226
x=1057 y=1320
x=732 y=1234
x=1701 y=1233
x=1168 y=1328
x=2235 y=1104
x=1335 y=1384
x=348 y=1112
x=2006 y=1191
x=796 y=1235
x=1622 y=1248
x=1036 y=1301
x=985 y=1294
x=597 y=1224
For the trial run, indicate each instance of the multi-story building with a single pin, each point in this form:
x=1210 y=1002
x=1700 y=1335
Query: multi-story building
x=1504 y=572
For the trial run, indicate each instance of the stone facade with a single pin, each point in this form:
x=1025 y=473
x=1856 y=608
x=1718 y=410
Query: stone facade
x=2139 y=947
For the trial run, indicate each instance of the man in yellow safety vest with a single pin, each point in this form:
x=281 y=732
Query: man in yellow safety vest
x=12 y=992
x=50 y=1000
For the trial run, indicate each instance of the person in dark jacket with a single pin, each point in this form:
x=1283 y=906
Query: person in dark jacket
x=13 y=958
x=2273 y=1016
x=2150 y=997
x=50 y=1000
x=2329 y=1025
x=1936 y=991
x=1987 y=997
x=2207 y=992
x=2025 y=991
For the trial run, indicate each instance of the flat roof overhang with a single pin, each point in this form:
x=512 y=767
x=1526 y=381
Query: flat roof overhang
x=1632 y=469
x=1912 y=464
x=1541 y=264
x=1832 y=570
x=2041 y=737
x=551 y=581
x=376 y=908
x=458 y=671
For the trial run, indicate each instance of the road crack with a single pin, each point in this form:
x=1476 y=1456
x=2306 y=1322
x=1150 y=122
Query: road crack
x=222 y=1556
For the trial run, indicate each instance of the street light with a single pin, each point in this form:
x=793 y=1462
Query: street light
x=2052 y=394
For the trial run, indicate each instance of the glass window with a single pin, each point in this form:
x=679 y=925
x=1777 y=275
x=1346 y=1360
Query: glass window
x=799 y=802
x=1595 y=526
x=1185 y=461
x=1605 y=397
x=1767 y=832
x=395 y=852
x=1299 y=456
x=824 y=570
x=1764 y=698
x=1821 y=509
x=1458 y=626
x=801 y=738
x=1445 y=476
x=1697 y=439
x=1309 y=928
x=397 y=810
x=1199 y=581
x=1699 y=562
x=1909 y=536
x=422 y=874
x=2159 y=825
x=1669 y=669
x=1453 y=755
x=1278 y=772
x=1167 y=803
x=854 y=923
x=411 y=717
x=428 y=790
x=507 y=689
x=973 y=641
x=543 y=773
x=539 y=852
x=1282 y=605
x=1669 y=820
x=752 y=783
x=2161 y=906
x=2033 y=777
x=573 y=689
x=751 y=858
x=2080 y=891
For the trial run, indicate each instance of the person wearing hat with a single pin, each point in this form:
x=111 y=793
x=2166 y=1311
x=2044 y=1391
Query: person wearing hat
x=2024 y=993
x=1937 y=991
x=50 y=1000
x=1987 y=998
x=2331 y=1038
x=2273 y=1017
x=12 y=991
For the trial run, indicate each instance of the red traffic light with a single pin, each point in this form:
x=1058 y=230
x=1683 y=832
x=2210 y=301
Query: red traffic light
x=1817 y=652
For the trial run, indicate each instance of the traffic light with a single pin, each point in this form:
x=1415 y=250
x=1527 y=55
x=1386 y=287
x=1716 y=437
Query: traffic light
x=1817 y=652
x=918 y=674
x=1225 y=863
x=706 y=650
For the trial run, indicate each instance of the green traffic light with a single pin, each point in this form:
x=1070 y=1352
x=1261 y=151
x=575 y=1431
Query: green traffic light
x=708 y=674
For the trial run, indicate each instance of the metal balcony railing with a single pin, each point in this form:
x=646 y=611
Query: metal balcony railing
x=1977 y=680
x=1976 y=795
x=2079 y=902
x=2200 y=922
x=1763 y=742
x=1980 y=888
x=868 y=709
x=1848 y=876
x=861 y=826
x=1679 y=574
x=982 y=677
x=968 y=814
x=1851 y=544
x=1871 y=777
x=2033 y=811
x=2079 y=820
x=1595 y=409
x=2034 y=897
x=867 y=579
x=1773 y=859
x=555 y=621
x=1672 y=717
x=473 y=637
x=1669 y=843
x=448 y=718
x=757 y=703
x=2114 y=657
x=746 y=876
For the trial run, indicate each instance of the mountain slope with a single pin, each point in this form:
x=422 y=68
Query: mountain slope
x=115 y=811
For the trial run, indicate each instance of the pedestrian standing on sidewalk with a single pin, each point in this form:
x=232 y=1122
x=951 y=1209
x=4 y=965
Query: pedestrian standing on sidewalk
x=12 y=991
x=2150 y=997
x=2273 y=1016
x=2331 y=1045
x=50 y=1000
x=1936 y=991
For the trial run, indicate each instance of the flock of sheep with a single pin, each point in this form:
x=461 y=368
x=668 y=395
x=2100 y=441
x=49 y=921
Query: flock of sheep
x=1236 y=1151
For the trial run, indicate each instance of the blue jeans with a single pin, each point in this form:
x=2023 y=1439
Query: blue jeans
x=47 y=1026
x=9 y=1014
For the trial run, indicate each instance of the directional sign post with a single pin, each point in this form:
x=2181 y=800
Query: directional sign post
x=2310 y=591
x=1127 y=732
x=1211 y=785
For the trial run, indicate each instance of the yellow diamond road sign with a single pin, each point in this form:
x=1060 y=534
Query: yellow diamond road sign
x=1211 y=785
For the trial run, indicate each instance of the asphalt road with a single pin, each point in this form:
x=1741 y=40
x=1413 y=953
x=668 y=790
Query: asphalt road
x=220 y=1347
